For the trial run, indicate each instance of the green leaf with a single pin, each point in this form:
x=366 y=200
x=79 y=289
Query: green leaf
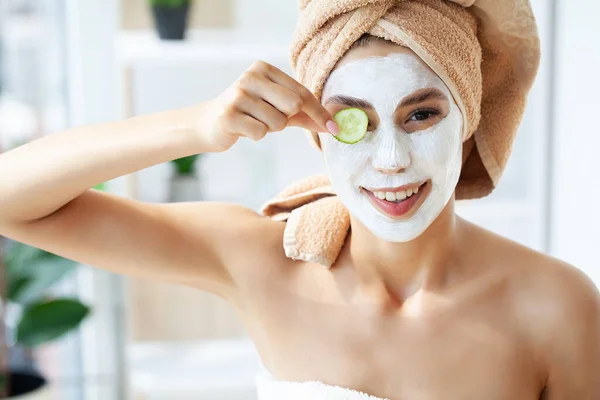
x=169 y=3
x=185 y=165
x=31 y=272
x=15 y=287
x=47 y=321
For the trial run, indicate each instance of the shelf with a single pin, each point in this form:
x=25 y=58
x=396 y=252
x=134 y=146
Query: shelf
x=143 y=46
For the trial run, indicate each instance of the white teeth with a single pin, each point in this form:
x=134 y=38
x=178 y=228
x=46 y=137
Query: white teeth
x=391 y=196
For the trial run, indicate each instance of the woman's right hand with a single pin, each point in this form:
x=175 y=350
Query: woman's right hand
x=264 y=99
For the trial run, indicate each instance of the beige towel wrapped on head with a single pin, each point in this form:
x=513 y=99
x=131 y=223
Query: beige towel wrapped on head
x=485 y=51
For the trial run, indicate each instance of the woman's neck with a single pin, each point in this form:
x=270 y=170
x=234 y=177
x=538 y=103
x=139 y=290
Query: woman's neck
x=398 y=270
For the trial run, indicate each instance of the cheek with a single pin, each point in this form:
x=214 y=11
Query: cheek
x=439 y=148
x=433 y=150
x=344 y=159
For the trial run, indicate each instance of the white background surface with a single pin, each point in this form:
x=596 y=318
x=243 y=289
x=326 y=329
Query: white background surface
x=575 y=192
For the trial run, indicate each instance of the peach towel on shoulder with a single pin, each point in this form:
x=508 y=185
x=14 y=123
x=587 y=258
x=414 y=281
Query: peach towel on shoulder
x=317 y=221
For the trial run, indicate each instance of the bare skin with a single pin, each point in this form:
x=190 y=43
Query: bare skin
x=458 y=313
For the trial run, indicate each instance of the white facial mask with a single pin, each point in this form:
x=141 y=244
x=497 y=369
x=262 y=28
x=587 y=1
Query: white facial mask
x=389 y=157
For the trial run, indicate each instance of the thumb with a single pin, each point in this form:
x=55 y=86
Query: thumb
x=302 y=120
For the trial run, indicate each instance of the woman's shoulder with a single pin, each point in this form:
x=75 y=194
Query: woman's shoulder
x=545 y=289
x=511 y=255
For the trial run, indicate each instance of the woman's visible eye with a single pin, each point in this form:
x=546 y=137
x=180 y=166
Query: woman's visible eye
x=423 y=115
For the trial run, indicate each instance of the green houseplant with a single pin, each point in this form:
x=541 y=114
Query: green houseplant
x=186 y=166
x=28 y=273
x=170 y=17
x=185 y=185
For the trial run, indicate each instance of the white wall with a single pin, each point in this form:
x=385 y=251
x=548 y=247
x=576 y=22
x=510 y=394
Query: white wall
x=268 y=15
x=94 y=97
x=576 y=183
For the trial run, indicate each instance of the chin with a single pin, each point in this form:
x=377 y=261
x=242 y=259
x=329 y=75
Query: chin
x=398 y=232
x=389 y=229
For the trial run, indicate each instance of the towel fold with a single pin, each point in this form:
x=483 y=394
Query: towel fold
x=317 y=221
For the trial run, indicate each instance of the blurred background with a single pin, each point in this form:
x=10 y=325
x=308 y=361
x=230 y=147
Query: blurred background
x=73 y=62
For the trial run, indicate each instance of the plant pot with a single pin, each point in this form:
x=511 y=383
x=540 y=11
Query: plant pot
x=185 y=188
x=171 y=22
x=21 y=358
x=28 y=386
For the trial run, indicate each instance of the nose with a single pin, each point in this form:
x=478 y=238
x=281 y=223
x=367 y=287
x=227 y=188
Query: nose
x=393 y=155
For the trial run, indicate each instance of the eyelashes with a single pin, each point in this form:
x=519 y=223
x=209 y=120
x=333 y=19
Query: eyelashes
x=418 y=116
x=423 y=114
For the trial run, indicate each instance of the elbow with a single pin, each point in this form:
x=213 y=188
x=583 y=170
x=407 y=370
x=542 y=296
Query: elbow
x=14 y=217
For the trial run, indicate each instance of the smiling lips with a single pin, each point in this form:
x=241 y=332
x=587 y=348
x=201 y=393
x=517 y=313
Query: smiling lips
x=396 y=202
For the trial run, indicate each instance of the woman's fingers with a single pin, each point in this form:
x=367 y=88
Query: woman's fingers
x=302 y=120
x=280 y=97
x=264 y=99
x=264 y=112
x=308 y=102
x=287 y=102
x=242 y=124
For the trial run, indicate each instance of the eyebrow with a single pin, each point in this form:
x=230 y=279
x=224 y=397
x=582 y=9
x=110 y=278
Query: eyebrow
x=415 y=98
x=349 y=101
x=421 y=96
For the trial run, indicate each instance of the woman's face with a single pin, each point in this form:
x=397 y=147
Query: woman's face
x=400 y=176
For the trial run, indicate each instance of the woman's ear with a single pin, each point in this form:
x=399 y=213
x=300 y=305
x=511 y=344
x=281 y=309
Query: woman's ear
x=467 y=149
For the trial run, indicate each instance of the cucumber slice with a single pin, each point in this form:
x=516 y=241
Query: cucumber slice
x=353 y=123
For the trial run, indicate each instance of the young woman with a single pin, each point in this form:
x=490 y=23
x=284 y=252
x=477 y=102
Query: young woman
x=420 y=303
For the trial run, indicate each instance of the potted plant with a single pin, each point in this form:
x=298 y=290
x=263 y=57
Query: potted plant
x=185 y=185
x=170 y=17
x=29 y=317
